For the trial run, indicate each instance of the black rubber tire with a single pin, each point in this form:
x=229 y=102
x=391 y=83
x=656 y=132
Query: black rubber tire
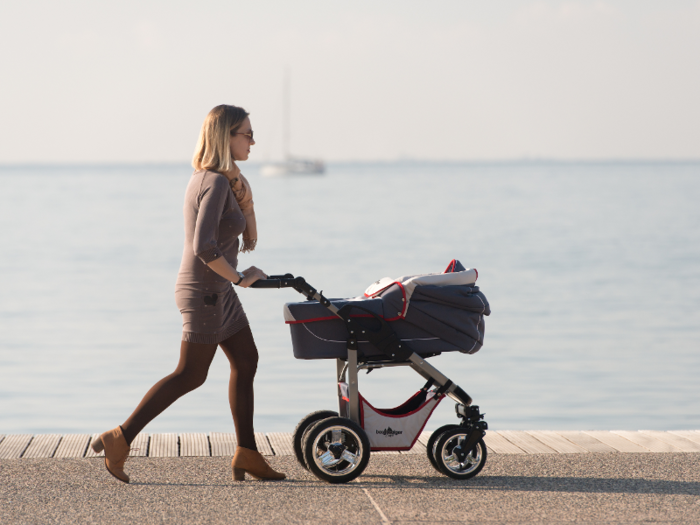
x=432 y=442
x=302 y=427
x=354 y=442
x=444 y=455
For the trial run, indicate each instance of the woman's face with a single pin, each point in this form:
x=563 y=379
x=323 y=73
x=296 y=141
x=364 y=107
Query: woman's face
x=242 y=141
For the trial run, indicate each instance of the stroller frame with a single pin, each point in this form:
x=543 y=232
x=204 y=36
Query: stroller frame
x=457 y=451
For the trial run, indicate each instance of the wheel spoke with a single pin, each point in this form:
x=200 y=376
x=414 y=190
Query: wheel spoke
x=327 y=459
x=337 y=436
x=350 y=457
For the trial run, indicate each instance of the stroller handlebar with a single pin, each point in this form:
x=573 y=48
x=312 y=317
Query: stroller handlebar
x=275 y=281
x=286 y=281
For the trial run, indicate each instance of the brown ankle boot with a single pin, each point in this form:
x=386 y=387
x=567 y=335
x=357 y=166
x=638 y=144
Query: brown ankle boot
x=116 y=452
x=250 y=461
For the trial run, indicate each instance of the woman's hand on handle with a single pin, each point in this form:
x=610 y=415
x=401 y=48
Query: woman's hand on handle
x=252 y=274
x=225 y=270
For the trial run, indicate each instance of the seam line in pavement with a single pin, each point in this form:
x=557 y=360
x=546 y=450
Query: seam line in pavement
x=374 y=503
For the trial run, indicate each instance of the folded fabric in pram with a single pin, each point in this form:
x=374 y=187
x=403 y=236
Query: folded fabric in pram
x=432 y=313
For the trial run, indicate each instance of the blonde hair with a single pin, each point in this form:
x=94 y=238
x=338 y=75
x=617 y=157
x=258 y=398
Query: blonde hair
x=213 y=151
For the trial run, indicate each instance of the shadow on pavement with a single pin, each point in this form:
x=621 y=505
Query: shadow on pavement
x=539 y=484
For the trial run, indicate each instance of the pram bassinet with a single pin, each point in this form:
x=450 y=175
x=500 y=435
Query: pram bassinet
x=397 y=322
x=432 y=313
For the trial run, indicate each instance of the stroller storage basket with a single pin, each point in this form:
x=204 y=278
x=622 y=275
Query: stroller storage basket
x=394 y=428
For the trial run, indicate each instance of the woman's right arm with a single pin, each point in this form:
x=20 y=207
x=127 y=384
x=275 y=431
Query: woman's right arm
x=225 y=270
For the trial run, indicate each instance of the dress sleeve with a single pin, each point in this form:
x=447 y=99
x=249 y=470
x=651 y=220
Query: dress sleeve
x=212 y=199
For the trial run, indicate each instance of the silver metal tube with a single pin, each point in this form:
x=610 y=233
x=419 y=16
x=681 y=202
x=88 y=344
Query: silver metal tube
x=427 y=370
x=340 y=368
x=333 y=308
x=353 y=387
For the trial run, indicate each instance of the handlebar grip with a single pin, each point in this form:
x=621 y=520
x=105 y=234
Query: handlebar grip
x=273 y=281
x=267 y=283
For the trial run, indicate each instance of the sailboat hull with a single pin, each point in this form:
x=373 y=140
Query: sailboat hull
x=294 y=167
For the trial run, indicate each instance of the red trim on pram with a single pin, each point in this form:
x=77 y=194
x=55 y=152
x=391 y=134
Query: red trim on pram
x=402 y=313
x=439 y=398
x=451 y=268
x=330 y=318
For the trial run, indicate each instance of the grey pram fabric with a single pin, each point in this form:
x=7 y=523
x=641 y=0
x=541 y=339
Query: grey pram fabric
x=455 y=314
x=439 y=319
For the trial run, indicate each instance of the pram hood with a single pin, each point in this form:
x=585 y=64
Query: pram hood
x=447 y=306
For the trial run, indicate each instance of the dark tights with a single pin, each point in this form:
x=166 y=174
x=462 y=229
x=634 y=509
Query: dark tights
x=191 y=372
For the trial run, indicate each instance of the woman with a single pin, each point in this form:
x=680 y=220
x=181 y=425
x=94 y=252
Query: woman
x=218 y=208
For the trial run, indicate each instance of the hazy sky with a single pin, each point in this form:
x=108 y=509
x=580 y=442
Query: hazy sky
x=131 y=81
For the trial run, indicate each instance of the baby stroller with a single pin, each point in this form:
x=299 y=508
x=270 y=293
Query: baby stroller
x=397 y=322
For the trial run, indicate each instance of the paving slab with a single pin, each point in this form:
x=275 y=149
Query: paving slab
x=647 y=441
x=619 y=443
x=557 y=442
x=281 y=443
x=72 y=446
x=13 y=446
x=692 y=435
x=194 y=445
x=526 y=442
x=586 y=441
x=42 y=446
x=163 y=446
x=222 y=444
x=681 y=443
x=500 y=445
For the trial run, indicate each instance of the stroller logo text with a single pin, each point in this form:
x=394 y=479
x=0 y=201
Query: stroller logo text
x=389 y=432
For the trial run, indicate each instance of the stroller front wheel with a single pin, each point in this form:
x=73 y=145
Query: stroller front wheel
x=455 y=461
x=336 y=449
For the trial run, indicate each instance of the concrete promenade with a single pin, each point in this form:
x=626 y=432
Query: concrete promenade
x=538 y=476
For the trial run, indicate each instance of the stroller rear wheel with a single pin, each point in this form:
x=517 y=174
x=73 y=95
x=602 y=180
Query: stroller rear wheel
x=432 y=444
x=301 y=429
x=336 y=449
x=455 y=461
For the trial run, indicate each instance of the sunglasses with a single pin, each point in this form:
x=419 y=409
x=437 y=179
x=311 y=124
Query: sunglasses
x=249 y=135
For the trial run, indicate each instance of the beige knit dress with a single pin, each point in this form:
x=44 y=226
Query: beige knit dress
x=210 y=308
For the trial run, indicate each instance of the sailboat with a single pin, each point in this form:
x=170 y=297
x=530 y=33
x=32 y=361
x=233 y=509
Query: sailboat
x=291 y=165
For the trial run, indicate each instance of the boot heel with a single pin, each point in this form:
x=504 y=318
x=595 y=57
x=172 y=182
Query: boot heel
x=238 y=474
x=97 y=445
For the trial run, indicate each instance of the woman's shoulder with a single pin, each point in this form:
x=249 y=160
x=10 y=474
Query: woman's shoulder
x=210 y=179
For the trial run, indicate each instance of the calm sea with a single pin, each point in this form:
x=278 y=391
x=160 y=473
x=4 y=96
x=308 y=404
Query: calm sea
x=592 y=271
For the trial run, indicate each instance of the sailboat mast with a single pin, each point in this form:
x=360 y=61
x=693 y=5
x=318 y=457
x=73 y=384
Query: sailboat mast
x=286 y=105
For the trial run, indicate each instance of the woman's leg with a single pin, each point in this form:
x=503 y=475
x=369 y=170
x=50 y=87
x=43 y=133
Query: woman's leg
x=243 y=356
x=191 y=372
